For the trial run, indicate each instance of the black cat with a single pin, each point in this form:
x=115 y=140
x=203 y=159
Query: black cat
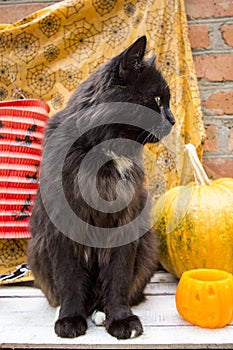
x=105 y=261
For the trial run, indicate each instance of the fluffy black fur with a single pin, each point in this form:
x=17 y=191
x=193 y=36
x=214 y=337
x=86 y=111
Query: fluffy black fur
x=81 y=278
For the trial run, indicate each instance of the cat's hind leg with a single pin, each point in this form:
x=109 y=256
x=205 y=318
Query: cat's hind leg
x=146 y=264
x=40 y=265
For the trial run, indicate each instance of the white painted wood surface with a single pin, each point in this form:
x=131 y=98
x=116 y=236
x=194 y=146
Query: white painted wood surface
x=27 y=321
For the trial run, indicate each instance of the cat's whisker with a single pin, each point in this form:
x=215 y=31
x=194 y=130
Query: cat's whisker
x=148 y=138
x=141 y=135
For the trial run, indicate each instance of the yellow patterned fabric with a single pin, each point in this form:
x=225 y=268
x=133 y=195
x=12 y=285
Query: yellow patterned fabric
x=13 y=266
x=47 y=54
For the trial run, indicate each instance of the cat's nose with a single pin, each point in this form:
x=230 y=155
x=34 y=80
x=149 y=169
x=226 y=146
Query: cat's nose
x=170 y=117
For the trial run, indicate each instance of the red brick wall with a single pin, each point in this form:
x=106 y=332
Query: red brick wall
x=211 y=37
x=12 y=11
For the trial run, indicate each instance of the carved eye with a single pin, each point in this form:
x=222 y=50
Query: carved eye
x=158 y=101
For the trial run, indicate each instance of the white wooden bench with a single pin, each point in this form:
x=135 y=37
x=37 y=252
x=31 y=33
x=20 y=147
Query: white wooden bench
x=27 y=321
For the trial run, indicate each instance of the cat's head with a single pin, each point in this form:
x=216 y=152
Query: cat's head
x=129 y=77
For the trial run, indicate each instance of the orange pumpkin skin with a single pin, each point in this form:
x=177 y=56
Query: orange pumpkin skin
x=204 y=297
x=194 y=225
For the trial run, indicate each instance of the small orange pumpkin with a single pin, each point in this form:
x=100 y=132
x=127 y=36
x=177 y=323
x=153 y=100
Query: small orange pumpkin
x=204 y=297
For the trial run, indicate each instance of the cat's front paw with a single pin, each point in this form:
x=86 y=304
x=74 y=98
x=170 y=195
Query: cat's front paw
x=129 y=327
x=70 y=327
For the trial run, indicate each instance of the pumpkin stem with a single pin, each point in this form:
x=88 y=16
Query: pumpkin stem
x=199 y=171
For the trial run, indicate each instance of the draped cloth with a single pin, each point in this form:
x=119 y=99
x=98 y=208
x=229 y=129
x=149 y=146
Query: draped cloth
x=49 y=53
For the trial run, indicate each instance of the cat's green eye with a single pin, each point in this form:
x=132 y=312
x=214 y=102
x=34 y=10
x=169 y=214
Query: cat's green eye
x=158 y=101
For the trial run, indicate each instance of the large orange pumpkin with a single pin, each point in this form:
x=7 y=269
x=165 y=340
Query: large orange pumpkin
x=194 y=223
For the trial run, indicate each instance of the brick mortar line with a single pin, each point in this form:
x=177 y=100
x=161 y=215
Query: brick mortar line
x=217 y=118
x=224 y=20
x=208 y=91
x=211 y=52
x=228 y=84
x=224 y=86
x=214 y=155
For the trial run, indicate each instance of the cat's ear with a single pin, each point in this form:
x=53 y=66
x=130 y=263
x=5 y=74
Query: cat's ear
x=151 y=61
x=132 y=57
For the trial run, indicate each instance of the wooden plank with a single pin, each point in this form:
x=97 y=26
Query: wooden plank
x=163 y=276
x=167 y=288
x=21 y=291
x=161 y=282
x=153 y=337
x=156 y=310
x=29 y=322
